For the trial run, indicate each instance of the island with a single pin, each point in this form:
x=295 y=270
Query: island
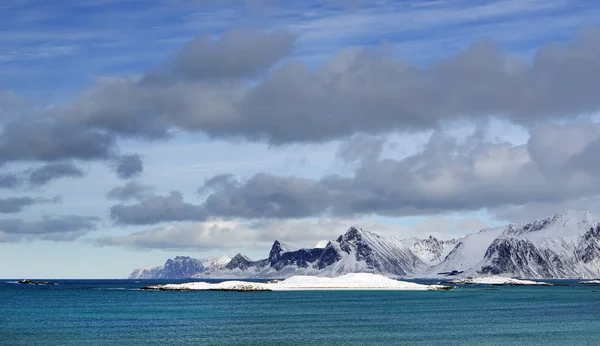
x=496 y=280
x=352 y=281
x=31 y=282
x=589 y=282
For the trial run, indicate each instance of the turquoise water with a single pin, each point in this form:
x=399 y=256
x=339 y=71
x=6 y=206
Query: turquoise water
x=116 y=313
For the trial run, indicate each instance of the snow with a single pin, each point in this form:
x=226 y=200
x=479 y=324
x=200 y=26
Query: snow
x=468 y=252
x=285 y=247
x=430 y=251
x=565 y=226
x=558 y=236
x=353 y=281
x=322 y=244
x=215 y=262
x=590 y=282
x=497 y=280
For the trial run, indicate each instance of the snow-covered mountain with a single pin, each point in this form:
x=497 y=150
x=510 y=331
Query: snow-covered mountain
x=355 y=251
x=566 y=245
x=181 y=267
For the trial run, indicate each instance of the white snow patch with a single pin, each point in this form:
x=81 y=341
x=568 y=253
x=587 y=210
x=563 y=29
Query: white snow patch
x=590 y=282
x=352 y=281
x=285 y=247
x=322 y=244
x=497 y=280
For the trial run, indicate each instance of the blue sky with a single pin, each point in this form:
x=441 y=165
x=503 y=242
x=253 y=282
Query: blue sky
x=299 y=137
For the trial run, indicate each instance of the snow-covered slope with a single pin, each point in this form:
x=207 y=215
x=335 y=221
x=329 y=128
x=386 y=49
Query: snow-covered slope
x=430 y=250
x=215 y=263
x=467 y=252
x=565 y=245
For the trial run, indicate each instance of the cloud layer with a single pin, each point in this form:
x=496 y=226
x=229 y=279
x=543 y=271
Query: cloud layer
x=57 y=228
x=359 y=90
x=447 y=176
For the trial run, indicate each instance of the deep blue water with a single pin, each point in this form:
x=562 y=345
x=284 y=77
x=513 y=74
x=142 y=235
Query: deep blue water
x=115 y=312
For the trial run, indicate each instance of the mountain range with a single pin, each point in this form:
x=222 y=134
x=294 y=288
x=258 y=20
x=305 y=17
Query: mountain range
x=565 y=245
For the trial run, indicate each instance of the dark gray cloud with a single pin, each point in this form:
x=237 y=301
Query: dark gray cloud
x=57 y=228
x=156 y=209
x=236 y=54
x=267 y=196
x=132 y=190
x=128 y=166
x=217 y=182
x=361 y=147
x=10 y=180
x=13 y=205
x=52 y=171
x=358 y=91
x=52 y=141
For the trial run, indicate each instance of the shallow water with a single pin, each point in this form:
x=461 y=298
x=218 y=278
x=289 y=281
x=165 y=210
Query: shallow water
x=115 y=312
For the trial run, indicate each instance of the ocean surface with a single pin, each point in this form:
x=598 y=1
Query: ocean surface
x=116 y=312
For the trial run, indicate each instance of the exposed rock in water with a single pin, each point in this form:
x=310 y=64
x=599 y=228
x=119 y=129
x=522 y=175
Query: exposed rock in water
x=32 y=282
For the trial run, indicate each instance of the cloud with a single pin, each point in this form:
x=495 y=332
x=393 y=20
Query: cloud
x=361 y=147
x=10 y=180
x=267 y=196
x=13 y=107
x=13 y=205
x=156 y=209
x=56 y=228
x=358 y=91
x=532 y=211
x=444 y=177
x=129 y=166
x=132 y=190
x=52 y=171
x=447 y=176
x=52 y=141
x=236 y=54
x=210 y=235
x=259 y=235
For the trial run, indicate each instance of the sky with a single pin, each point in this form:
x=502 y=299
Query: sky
x=133 y=131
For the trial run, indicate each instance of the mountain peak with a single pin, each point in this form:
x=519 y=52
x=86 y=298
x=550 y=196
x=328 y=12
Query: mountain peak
x=353 y=233
x=240 y=256
x=239 y=261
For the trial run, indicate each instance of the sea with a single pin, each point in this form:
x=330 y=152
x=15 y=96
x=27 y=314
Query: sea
x=117 y=312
